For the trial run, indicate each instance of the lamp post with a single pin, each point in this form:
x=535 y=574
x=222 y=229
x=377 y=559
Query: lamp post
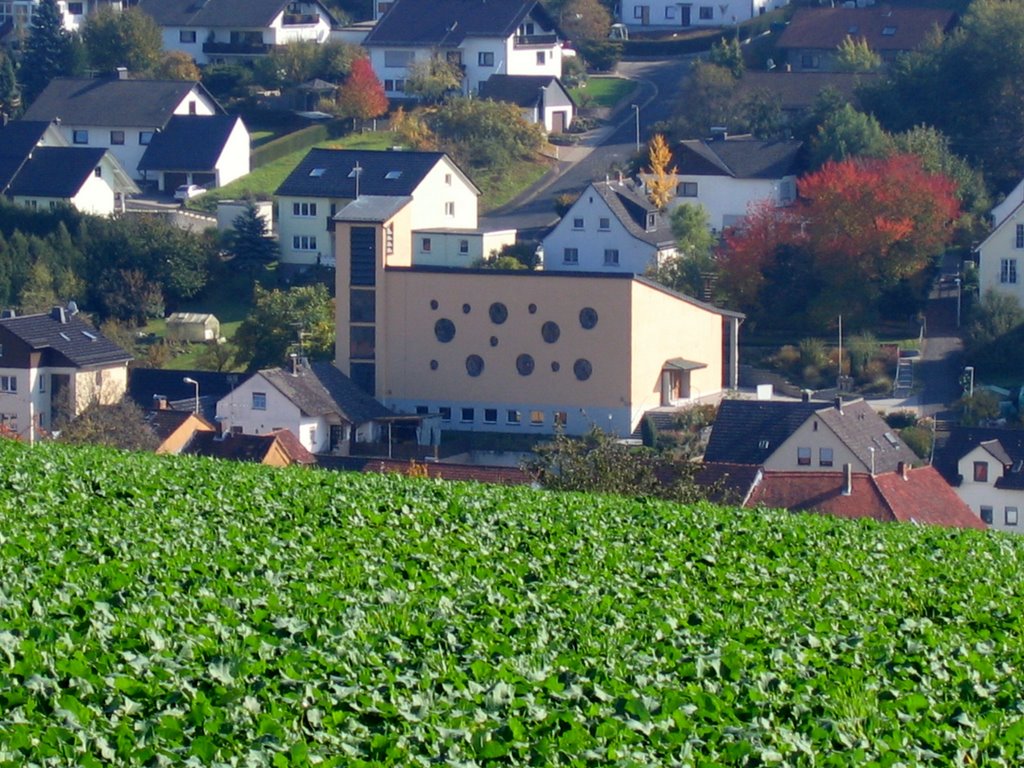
x=636 y=110
x=958 y=292
x=969 y=375
x=193 y=382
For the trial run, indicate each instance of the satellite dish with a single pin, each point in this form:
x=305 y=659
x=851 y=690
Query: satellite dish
x=771 y=64
x=72 y=307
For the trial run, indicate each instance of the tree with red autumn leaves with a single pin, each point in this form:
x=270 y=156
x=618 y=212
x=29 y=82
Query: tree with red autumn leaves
x=862 y=230
x=361 y=96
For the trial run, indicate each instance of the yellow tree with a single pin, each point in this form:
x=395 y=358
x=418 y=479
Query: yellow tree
x=661 y=182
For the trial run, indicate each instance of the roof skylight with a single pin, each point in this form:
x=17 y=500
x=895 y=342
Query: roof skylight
x=316 y=173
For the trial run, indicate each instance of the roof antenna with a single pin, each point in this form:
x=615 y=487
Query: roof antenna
x=357 y=170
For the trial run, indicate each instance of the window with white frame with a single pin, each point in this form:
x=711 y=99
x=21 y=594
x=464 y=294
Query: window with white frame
x=468 y=415
x=303 y=209
x=259 y=401
x=80 y=136
x=398 y=59
x=541 y=58
x=485 y=58
x=537 y=418
x=1011 y=515
x=1008 y=271
x=986 y=515
x=1019 y=239
x=611 y=257
x=186 y=36
x=638 y=11
x=513 y=416
x=463 y=246
x=42 y=382
x=825 y=457
x=425 y=245
x=8 y=384
x=803 y=456
x=706 y=13
x=116 y=137
x=571 y=256
x=145 y=137
x=577 y=222
x=449 y=208
x=304 y=242
x=604 y=224
x=490 y=415
x=445 y=412
x=810 y=61
x=688 y=189
x=670 y=11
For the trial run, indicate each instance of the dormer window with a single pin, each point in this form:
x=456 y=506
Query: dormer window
x=651 y=221
x=316 y=173
x=888 y=31
x=393 y=175
x=981 y=471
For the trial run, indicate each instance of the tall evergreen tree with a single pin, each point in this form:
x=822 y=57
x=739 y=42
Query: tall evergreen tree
x=10 y=95
x=48 y=50
x=251 y=242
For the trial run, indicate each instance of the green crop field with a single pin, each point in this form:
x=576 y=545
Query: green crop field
x=161 y=611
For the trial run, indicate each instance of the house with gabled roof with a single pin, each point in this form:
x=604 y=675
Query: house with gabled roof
x=431 y=190
x=511 y=37
x=316 y=402
x=39 y=171
x=279 y=448
x=173 y=428
x=666 y=14
x=985 y=466
x=237 y=31
x=119 y=114
x=543 y=99
x=18 y=16
x=611 y=227
x=727 y=174
x=1000 y=254
x=812 y=38
x=52 y=367
x=208 y=150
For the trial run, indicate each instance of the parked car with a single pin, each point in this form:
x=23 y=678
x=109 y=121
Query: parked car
x=188 y=191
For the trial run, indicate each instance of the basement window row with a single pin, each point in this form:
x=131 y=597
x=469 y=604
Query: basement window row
x=490 y=416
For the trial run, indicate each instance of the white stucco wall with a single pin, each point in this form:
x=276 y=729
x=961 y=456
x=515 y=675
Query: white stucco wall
x=236 y=410
x=1001 y=245
x=450 y=248
x=976 y=494
x=717 y=13
x=234 y=159
x=727 y=200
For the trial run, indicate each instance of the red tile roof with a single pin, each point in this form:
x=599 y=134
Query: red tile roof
x=923 y=497
x=293 y=447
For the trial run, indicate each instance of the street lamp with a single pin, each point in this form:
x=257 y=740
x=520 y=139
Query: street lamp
x=193 y=382
x=969 y=374
x=636 y=110
x=956 y=282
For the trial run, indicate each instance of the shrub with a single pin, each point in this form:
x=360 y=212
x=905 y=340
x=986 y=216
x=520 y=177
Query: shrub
x=918 y=439
x=901 y=419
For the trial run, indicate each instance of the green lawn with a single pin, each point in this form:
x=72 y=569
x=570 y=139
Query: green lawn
x=602 y=91
x=497 y=188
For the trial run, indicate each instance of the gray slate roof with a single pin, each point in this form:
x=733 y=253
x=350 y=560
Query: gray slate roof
x=631 y=208
x=112 y=102
x=56 y=171
x=17 y=140
x=69 y=339
x=1004 y=445
x=337 y=164
x=188 y=143
x=322 y=389
x=372 y=208
x=145 y=383
x=749 y=431
x=521 y=90
x=741 y=157
x=446 y=23
x=216 y=13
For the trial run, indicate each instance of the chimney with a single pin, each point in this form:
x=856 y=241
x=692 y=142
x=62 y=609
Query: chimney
x=847 y=479
x=902 y=469
x=805 y=395
x=59 y=314
x=295 y=364
x=620 y=178
x=160 y=401
x=122 y=73
x=838 y=403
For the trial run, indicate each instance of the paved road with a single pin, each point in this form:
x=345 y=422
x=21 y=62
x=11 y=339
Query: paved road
x=533 y=211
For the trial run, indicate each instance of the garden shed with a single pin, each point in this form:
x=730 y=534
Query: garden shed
x=192 y=326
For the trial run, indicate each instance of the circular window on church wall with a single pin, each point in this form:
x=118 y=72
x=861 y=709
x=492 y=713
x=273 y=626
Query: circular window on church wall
x=550 y=332
x=433 y=304
x=444 y=330
x=433 y=365
x=588 y=317
x=524 y=364
x=498 y=313
x=582 y=369
x=474 y=365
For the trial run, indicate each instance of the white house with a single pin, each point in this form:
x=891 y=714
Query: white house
x=20 y=13
x=317 y=403
x=52 y=367
x=726 y=174
x=1000 y=254
x=985 y=466
x=209 y=150
x=542 y=98
x=39 y=171
x=674 y=14
x=610 y=228
x=119 y=114
x=497 y=37
x=219 y=31
x=435 y=191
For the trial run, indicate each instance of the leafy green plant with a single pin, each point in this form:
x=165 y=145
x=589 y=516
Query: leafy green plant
x=167 y=611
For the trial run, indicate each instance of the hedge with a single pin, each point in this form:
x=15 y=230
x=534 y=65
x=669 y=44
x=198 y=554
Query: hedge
x=301 y=139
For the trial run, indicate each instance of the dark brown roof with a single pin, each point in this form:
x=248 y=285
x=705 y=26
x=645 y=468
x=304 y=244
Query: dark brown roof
x=799 y=90
x=740 y=157
x=291 y=445
x=241 y=447
x=886 y=29
x=165 y=421
x=923 y=497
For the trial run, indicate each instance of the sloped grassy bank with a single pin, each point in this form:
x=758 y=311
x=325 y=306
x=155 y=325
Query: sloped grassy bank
x=163 y=612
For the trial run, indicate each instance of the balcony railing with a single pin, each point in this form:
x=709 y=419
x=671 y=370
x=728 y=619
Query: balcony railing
x=526 y=41
x=298 y=19
x=244 y=49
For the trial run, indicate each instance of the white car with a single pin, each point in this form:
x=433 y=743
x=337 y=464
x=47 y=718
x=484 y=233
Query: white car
x=188 y=191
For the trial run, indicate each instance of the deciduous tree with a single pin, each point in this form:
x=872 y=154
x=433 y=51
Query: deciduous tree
x=661 y=181
x=855 y=55
x=128 y=38
x=177 y=65
x=685 y=272
x=280 y=319
x=116 y=426
x=433 y=78
x=845 y=134
x=362 y=96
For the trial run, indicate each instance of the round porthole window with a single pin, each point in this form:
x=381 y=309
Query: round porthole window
x=550 y=332
x=474 y=365
x=444 y=330
x=433 y=365
x=582 y=369
x=434 y=304
x=465 y=309
x=555 y=367
x=524 y=364
x=532 y=309
x=588 y=317
x=494 y=341
x=498 y=313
